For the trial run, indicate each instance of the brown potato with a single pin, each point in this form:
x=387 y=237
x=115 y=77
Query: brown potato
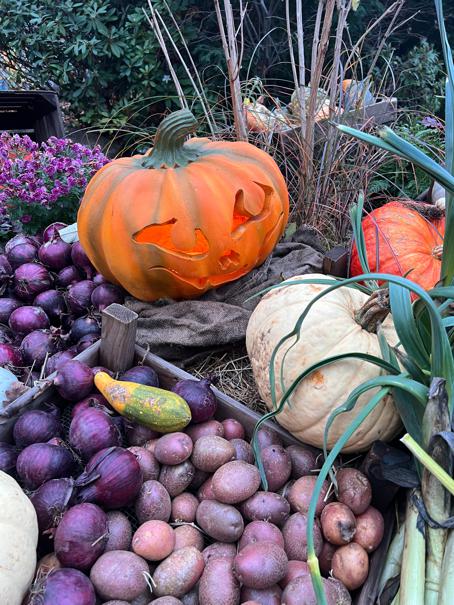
x=301 y=592
x=191 y=597
x=295 y=537
x=354 y=489
x=119 y=530
x=205 y=491
x=166 y=601
x=277 y=465
x=260 y=565
x=154 y=540
x=177 y=478
x=147 y=462
x=266 y=506
x=235 y=481
x=243 y=450
x=222 y=522
x=110 y=584
x=153 y=502
x=233 y=429
x=300 y=494
x=261 y=531
x=173 y=448
x=264 y=596
x=188 y=535
x=209 y=427
x=338 y=523
x=199 y=478
x=351 y=565
x=295 y=569
x=218 y=585
x=177 y=574
x=219 y=550
x=305 y=460
x=325 y=557
x=267 y=436
x=184 y=507
x=211 y=452
x=369 y=529
x=342 y=594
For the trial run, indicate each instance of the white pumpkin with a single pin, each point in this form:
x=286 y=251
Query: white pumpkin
x=329 y=329
x=18 y=541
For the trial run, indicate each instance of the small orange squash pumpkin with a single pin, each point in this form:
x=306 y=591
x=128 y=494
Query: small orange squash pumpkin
x=184 y=217
x=408 y=244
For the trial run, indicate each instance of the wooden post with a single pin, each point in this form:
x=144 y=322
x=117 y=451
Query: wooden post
x=118 y=337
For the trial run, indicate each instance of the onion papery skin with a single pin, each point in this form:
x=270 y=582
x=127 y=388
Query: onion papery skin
x=112 y=479
x=51 y=500
x=28 y=318
x=20 y=238
x=81 y=536
x=30 y=280
x=74 y=380
x=81 y=260
x=105 y=295
x=199 y=397
x=21 y=254
x=8 y=457
x=93 y=400
x=41 y=462
x=64 y=586
x=52 y=231
x=35 y=426
x=92 y=430
x=68 y=276
x=53 y=303
x=79 y=296
x=58 y=360
x=55 y=254
x=142 y=375
x=6 y=271
x=36 y=345
x=7 y=306
x=10 y=356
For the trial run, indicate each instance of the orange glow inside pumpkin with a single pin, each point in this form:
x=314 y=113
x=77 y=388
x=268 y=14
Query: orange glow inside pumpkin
x=161 y=235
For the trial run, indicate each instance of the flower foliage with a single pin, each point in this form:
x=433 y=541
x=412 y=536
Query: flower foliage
x=42 y=183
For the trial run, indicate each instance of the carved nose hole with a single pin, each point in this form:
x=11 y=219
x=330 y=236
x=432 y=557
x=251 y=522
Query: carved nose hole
x=229 y=260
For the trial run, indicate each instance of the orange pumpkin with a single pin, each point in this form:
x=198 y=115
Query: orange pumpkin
x=408 y=244
x=184 y=217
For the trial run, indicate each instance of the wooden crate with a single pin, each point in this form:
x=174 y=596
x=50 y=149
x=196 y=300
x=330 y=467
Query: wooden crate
x=118 y=351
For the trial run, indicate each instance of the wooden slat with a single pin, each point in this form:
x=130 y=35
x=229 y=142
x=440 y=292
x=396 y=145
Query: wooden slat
x=119 y=326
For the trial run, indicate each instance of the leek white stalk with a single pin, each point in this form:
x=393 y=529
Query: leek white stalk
x=412 y=577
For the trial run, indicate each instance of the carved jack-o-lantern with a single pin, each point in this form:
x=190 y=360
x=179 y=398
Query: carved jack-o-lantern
x=184 y=217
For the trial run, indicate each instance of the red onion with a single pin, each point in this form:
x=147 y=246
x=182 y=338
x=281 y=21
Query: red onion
x=74 y=380
x=8 y=457
x=199 y=397
x=141 y=375
x=97 y=369
x=148 y=463
x=53 y=303
x=79 y=296
x=6 y=271
x=112 y=478
x=31 y=279
x=81 y=260
x=36 y=345
x=84 y=326
x=56 y=361
x=41 y=462
x=69 y=275
x=81 y=536
x=19 y=239
x=92 y=430
x=51 y=500
x=52 y=231
x=105 y=295
x=93 y=400
x=35 y=426
x=6 y=336
x=63 y=587
x=22 y=253
x=7 y=306
x=99 y=279
x=10 y=355
x=27 y=318
x=85 y=342
x=55 y=254
x=136 y=434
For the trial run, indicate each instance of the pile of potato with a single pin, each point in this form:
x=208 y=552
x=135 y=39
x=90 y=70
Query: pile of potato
x=208 y=535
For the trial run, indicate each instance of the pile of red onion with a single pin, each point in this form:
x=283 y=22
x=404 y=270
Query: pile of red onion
x=52 y=300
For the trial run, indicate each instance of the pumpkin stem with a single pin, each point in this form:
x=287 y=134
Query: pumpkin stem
x=374 y=311
x=169 y=149
x=437 y=252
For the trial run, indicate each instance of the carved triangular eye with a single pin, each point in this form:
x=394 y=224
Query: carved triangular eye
x=160 y=235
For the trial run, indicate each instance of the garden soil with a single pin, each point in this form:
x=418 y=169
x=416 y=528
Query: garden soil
x=183 y=331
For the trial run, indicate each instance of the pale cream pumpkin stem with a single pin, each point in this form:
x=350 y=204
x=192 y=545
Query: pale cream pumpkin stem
x=374 y=311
